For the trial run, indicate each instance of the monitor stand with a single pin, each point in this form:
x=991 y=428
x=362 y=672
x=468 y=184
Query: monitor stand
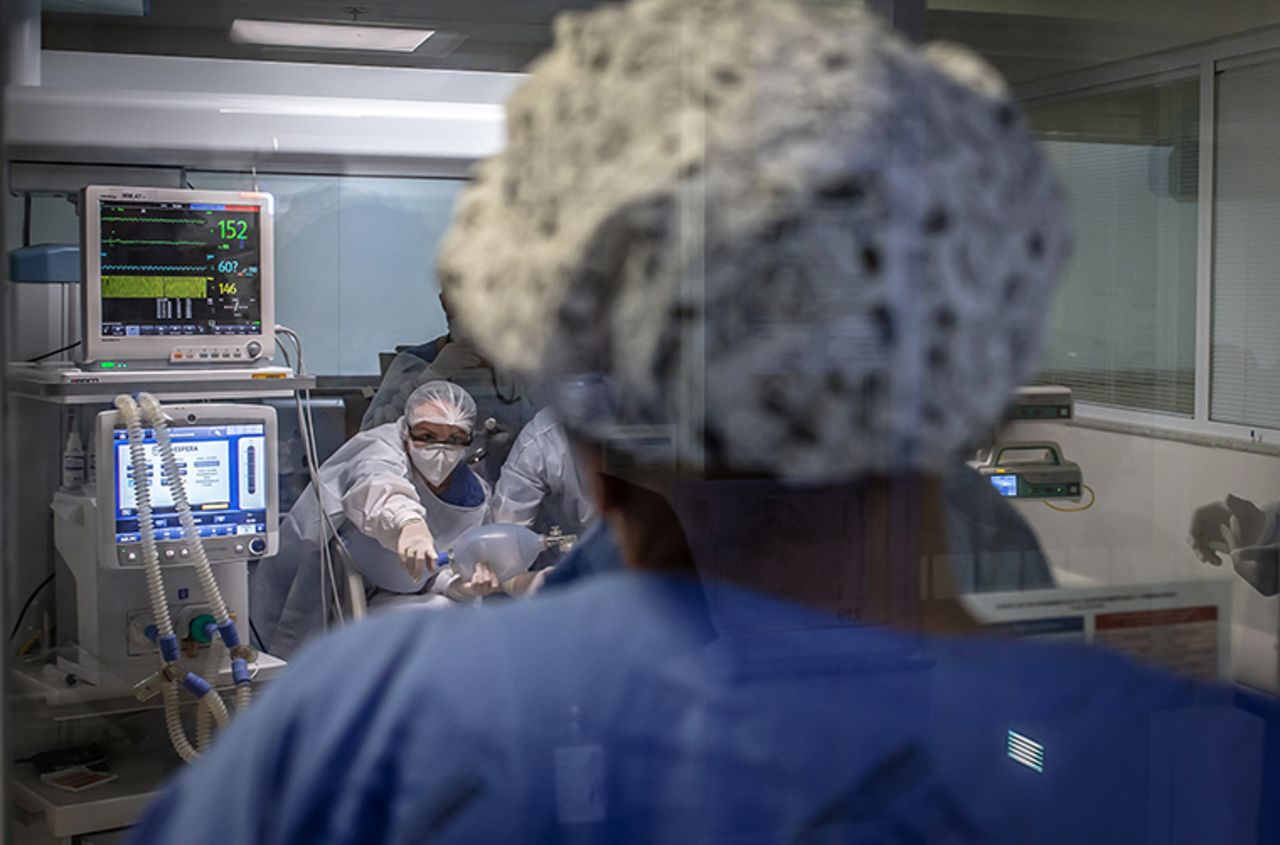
x=159 y=371
x=64 y=383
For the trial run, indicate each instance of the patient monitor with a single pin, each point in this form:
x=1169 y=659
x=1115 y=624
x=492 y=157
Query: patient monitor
x=226 y=455
x=176 y=277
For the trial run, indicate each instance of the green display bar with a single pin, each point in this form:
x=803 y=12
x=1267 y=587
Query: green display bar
x=155 y=287
x=128 y=242
x=127 y=219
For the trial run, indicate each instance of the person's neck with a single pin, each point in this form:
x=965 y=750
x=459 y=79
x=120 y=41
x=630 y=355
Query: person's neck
x=900 y=522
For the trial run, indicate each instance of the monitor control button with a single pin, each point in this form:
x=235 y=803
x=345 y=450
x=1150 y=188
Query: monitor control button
x=257 y=546
x=252 y=348
x=239 y=548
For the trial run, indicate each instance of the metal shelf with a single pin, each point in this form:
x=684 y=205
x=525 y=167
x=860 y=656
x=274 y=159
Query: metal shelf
x=38 y=682
x=39 y=697
x=64 y=385
x=108 y=807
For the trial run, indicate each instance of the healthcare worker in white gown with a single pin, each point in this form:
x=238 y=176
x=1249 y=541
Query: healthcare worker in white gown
x=540 y=486
x=498 y=396
x=395 y=495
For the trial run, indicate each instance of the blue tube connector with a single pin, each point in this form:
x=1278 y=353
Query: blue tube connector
x=151 y=632
x=230 y=636
x=169 y=649
x=442 y=560
x=240 y=671
x=210 y=629
x=198 y=686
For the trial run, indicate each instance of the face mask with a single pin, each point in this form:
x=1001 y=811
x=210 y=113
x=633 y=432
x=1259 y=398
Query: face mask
x=435 y=461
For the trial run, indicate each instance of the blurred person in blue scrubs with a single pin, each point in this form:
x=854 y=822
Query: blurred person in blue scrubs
x=803 y=265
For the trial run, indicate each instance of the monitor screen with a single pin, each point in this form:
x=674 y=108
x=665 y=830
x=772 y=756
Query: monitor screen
x=179 y=268
x=224 y=470
x=1006 y=485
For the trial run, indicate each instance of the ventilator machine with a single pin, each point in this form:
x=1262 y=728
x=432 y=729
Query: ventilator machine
x=156 y=523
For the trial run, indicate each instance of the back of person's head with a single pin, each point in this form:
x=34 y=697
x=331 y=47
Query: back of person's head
x=772 y=241
x=813 y=249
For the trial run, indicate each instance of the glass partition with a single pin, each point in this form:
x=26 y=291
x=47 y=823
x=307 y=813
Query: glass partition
x=355 y=262
x=1124 y=322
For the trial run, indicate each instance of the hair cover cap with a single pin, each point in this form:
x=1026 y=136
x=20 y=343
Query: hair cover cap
x=816 y=249
x=440 y=402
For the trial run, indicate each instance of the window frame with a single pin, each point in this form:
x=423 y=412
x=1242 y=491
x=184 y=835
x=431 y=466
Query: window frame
x=1203 y=61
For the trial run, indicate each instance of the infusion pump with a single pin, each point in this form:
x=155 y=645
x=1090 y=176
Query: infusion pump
x=1033 y=470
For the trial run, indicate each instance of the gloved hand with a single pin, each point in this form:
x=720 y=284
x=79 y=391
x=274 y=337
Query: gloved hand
x=1246 y=533
x=484 y=582
x=526 y=583
x=1205 y=536
x=1255 y=554
x=417 y=549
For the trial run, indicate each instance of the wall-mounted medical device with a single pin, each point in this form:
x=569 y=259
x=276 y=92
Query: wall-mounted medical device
x=176 y=277
x=1031 y=470
x=1043 y=403
x=226 y=458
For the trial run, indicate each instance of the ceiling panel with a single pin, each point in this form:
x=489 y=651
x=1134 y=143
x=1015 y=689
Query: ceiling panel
x=501 y=35
x=1026 y=39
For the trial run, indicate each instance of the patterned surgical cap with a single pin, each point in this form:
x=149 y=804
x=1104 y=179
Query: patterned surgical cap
x=811 y=247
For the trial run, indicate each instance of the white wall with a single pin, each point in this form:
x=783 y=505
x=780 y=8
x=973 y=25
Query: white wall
x=1147 y=489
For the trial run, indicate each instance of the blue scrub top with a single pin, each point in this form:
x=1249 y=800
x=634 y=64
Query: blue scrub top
x=637 y=707
x=464 y=490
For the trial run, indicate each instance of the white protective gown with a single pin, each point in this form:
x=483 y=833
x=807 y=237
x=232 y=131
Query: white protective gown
x=370 y=492
x=540 y=486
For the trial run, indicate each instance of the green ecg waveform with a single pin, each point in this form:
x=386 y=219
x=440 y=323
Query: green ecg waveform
x=155 y=287
x=165 y=243
x=153 y=220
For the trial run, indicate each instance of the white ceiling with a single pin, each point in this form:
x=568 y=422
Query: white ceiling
x=478 y=35
x=1026 y=39
x=1034 y=39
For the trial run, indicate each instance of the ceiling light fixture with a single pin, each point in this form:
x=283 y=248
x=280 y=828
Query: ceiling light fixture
x=329 y=36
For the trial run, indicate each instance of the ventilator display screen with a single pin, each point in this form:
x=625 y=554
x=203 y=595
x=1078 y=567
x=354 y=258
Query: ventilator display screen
x=179 y=268
x=224 y=473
